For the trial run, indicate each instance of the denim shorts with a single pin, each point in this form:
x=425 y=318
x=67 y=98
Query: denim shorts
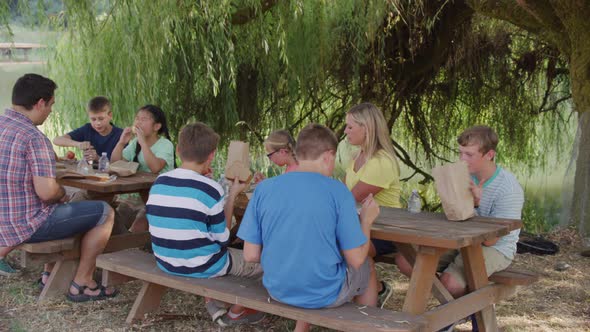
x=71 y=219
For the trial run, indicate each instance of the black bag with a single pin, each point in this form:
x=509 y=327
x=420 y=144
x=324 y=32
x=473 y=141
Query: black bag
x=535 y=244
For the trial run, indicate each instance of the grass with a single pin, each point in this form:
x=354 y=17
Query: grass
x=559 y=301
x=10 y=73
x=543 y=201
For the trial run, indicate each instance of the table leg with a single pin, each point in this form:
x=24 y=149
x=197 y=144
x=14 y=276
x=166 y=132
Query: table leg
x=58 y=283
x=439 y=291
x=148 y=300
x=421 y=281
x=145 y=195
x=477 y=277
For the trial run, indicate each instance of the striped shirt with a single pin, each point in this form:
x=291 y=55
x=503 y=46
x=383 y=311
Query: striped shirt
x=502 y=197
x=25 y=152
x=187 y=225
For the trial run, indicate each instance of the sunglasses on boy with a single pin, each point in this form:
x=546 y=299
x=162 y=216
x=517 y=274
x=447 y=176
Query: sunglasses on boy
x=270 y=154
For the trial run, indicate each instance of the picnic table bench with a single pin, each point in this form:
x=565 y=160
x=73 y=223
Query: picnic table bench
x=65 y=253
x=250 y=293
x=7 y=49
x=423 y=237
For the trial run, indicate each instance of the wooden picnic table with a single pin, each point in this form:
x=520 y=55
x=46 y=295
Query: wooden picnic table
x=140 y=182
x=8 y=48
x=422 y=238
x=66 y=252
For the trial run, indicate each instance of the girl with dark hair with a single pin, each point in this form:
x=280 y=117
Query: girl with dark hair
x=151 y=147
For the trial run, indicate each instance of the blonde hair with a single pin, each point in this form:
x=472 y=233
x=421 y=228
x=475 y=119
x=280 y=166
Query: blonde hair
x=280 y=139
x=484 y=136
x=377 y=136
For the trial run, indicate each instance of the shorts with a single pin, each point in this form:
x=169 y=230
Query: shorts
x=355 y=283
x=71 y=219
x=241 y=268
x=452 y=262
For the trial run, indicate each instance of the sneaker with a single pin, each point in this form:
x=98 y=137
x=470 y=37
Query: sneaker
x=215 y=309
x=7 y=270
x=384 y=294
x=248 y=316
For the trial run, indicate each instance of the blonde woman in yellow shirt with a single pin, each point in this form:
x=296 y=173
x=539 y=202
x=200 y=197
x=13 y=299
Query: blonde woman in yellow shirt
x=374 y=170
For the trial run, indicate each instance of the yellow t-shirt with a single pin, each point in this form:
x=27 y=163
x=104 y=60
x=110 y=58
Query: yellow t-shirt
x=380 y=171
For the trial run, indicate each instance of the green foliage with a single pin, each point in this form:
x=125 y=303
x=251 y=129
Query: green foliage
x=304 y=61
x=542 y=208
x=247 y=67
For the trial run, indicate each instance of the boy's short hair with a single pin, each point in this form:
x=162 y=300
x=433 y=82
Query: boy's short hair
x=484 y=136
x=99 y=104
x=313 y=140
x=29 y=88
x=196 y=142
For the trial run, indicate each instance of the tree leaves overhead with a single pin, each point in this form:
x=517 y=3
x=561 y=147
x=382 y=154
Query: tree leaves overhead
x=434 y=67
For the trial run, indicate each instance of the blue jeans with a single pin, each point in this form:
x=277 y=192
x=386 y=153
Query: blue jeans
x=71 y=219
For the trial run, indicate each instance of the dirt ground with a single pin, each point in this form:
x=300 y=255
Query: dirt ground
x=560 y=301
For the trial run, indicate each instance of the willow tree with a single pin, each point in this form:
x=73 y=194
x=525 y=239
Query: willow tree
x=433 y=67
x=564 y=24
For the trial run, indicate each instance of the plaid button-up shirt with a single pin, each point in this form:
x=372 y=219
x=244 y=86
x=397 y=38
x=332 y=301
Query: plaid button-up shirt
x=24 y=152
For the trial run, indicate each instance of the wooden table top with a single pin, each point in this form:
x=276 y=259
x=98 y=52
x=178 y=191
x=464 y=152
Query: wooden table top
x=134 y=183
x=427 y=228
x=433 y=229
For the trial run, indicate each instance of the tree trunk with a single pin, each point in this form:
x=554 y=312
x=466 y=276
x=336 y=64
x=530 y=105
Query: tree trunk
x=580 y=208
x=580 y=80
x=247 y=103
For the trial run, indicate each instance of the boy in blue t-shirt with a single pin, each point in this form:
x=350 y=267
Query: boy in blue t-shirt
x=97 y=136
x=304 y=229
x=189 y=217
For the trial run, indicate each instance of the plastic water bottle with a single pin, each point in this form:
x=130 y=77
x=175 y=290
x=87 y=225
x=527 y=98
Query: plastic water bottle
x=414 y=202
x=103 y=163
x=83 y=167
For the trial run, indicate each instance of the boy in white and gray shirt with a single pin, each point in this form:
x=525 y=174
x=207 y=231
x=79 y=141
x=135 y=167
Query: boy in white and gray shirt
x=497 y=194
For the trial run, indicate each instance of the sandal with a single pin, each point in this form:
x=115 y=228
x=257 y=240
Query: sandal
x=40 y=283
x=83 y=297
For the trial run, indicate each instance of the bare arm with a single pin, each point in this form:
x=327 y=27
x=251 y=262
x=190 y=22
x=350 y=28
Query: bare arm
x=234 y=190
x=48 y=190
x=355 y=257
x=489 y=243
x=117 y=153
x=154 y=163
x=252 y=252
x=361 y=190
x=67 y=141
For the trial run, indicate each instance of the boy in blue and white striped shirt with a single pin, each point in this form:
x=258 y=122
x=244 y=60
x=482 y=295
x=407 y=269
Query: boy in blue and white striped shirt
x=189 y=221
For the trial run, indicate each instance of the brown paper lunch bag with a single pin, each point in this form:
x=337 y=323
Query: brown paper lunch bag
x=238 y=161
x=452 y=184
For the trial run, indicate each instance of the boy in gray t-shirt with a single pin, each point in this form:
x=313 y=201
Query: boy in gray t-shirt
x=497 y=193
